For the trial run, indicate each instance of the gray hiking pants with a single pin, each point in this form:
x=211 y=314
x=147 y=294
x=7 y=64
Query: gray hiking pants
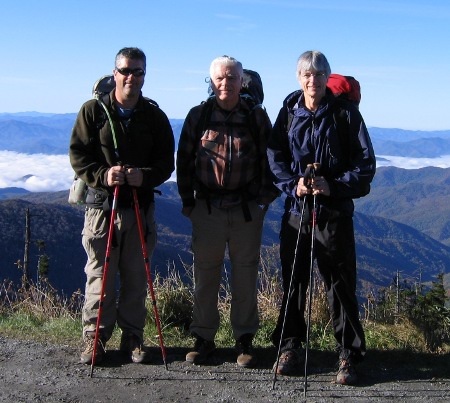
x=211 y=234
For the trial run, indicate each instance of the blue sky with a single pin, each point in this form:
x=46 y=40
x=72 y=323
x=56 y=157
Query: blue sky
x=55 y=50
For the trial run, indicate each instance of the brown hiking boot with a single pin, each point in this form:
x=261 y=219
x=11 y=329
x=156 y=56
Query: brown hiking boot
x=289 y=362
x=134 y=347
x=246 y=357
x=347 y=373
x=86 y=354
x=202 y=350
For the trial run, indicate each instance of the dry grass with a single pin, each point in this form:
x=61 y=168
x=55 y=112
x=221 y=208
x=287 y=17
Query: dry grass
x=39 y=312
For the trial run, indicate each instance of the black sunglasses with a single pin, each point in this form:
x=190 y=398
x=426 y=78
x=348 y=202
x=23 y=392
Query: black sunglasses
x=127 y=71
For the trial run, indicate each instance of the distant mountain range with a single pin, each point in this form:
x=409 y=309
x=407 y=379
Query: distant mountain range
x=383 y=245
x=35 y=133
x=44 y=133
x=403 y=224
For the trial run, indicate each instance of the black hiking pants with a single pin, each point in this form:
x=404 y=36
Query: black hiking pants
x=336 y=260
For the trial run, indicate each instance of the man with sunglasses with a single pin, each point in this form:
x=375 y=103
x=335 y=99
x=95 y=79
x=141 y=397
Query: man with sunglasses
x=137 y=153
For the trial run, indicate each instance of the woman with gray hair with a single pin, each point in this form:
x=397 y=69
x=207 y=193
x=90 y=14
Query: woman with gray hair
x=314 y=126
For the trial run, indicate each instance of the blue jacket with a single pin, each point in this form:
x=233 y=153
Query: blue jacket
x=336 y=136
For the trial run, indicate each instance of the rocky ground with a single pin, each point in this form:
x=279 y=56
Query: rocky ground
x=36 y=372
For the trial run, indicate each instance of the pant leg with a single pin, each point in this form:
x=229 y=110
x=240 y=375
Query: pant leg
x=244 y=247
x=131 y=311
x=336 y=258
x=209 y=237
x=294 y=324
x=94 y=240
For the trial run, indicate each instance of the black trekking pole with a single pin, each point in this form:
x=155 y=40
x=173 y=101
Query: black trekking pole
x=149 y=277
x=105 y=271
x=306 y=178
x=314 y=171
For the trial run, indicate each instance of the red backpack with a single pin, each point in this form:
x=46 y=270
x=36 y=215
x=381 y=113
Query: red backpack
x=345 y=87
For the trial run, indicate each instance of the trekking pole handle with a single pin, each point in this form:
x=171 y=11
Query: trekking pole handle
x=310 y=173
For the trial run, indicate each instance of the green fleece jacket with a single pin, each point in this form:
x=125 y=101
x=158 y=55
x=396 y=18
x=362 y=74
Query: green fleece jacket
x=145 y=141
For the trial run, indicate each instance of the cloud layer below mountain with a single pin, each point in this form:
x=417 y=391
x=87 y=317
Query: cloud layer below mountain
x=36 y=172
x=51 y=173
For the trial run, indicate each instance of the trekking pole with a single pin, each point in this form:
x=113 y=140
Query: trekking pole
x=105 y=271
x=149 y=277
x=290 y=285
x=314 y=171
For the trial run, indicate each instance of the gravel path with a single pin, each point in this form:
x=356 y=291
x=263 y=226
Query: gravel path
x=36 y=372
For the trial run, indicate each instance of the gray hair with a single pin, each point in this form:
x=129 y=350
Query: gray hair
x=313 y=60
x=226 y=61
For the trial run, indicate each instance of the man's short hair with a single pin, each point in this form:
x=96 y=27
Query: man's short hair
x=131 y=53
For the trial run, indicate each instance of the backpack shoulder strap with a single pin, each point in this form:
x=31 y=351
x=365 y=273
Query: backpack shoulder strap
x=102 y=103
x=290 y=101
x=205 y=117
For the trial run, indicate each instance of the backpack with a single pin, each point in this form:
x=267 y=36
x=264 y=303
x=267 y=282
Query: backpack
x=345 y=87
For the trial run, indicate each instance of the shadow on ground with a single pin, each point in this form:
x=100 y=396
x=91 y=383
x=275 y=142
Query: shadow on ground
x=378 y=366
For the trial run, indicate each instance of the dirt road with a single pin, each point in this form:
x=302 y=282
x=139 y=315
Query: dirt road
x=35 y=372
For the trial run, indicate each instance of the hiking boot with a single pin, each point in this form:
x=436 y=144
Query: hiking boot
x=202 y=350
x=289 y=362
x=246 y=357
x=347 y=373
x=134 y=347
x=86 y=354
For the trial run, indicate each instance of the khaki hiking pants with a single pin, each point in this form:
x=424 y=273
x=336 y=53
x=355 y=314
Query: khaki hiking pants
x=211 y=234
x=126 y=271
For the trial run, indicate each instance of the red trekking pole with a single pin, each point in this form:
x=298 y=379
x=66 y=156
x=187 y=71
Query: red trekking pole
x=105 y=271
x=149 y=277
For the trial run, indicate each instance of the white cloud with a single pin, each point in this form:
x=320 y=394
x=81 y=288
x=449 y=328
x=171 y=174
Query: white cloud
x=413 y=163
x=37 y=172
x=51 y=173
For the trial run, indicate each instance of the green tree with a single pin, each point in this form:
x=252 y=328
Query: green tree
x=431 y=316
x=43 y=262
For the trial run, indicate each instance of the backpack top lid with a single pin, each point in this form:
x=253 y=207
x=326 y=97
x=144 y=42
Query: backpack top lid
x=251 y=87
x=104 y=85
x=345 y=87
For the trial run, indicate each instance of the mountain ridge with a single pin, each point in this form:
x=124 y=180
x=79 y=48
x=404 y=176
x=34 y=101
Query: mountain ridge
x=383 y=245
x=50 y=133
